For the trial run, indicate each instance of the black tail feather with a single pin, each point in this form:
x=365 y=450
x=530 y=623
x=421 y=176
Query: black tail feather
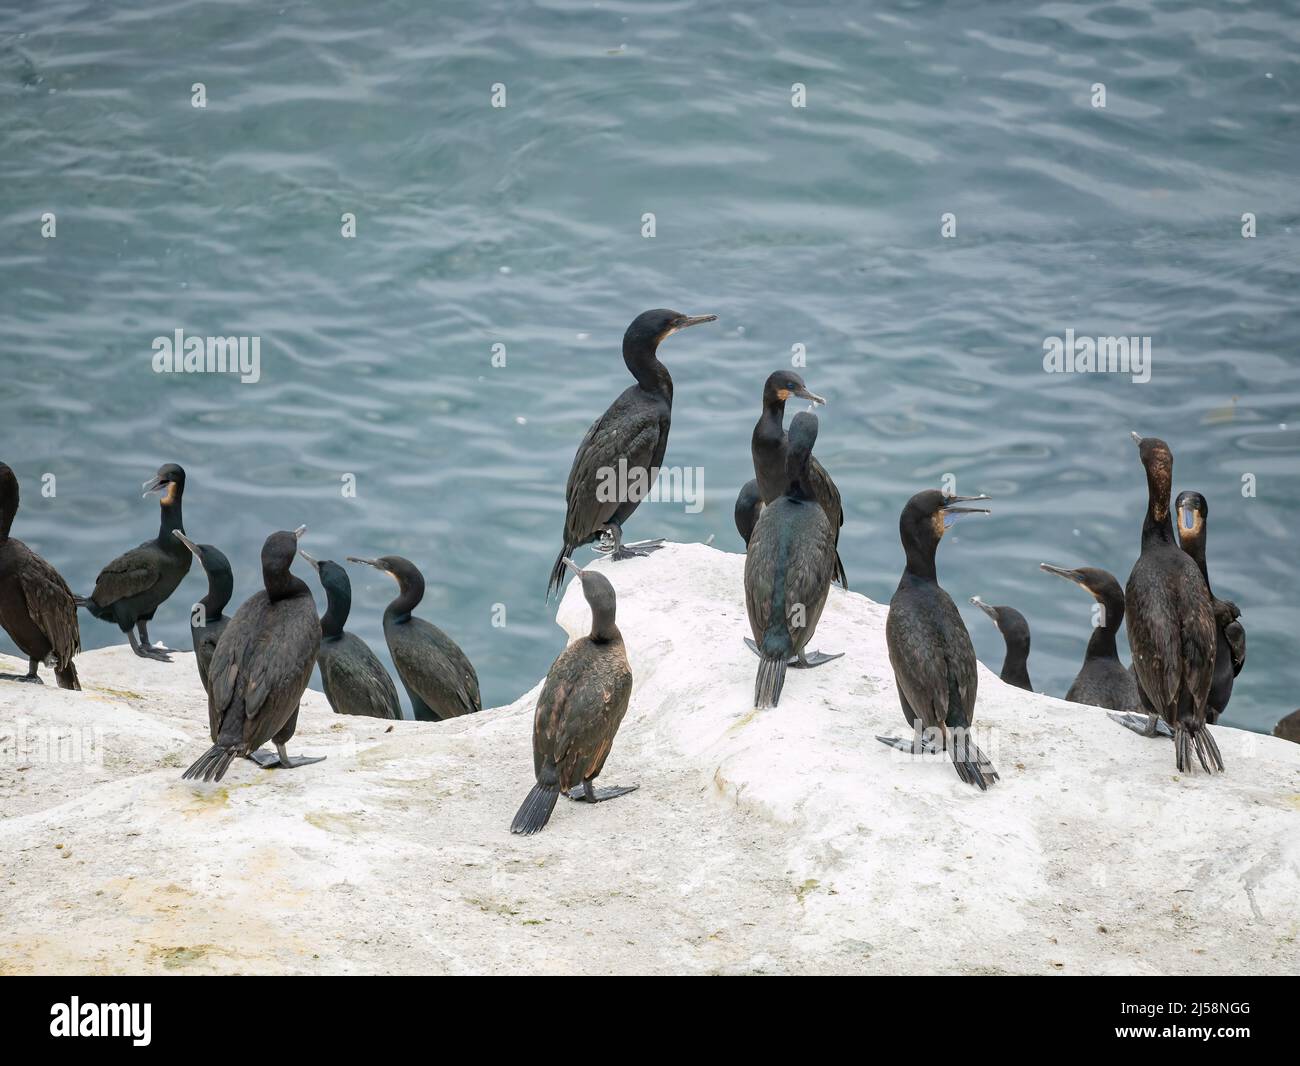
x=770 y=680
x=972 y=765
x=536 y=810
x=557 y=571
x=1188 y=741
x=840 y=575
x=67 y=676
x=211 y=765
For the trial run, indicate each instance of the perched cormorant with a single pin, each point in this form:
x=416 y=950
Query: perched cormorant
x=354 y=679
x=581 y=706
x=261 y=667
x=1171 y=629
x=788 y=570
x=929 y=648
x=768 y=447
x=1015 y=632
x=439 y=678
x=37 y=609
x=1230 y=645
x=1289 y=728
x=618 y=460
x=748 y=505
x=1102 y=681
x=207 y=623
x=136 y=583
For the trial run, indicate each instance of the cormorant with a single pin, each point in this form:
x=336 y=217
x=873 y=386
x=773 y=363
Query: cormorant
x=768 y=446
x=261 y=667
x=748 y=505
x=1289 y=728
x=619 y=458
x=929 y=648
x=439 y=678
x=788 y=570
x=207 y=623
x=1171 y=629
x=581 y=706
x=136 y=583
x=354 y=679
x=1015 y=633
x=37 y=609
x=1102 y=681
x=1230 y=645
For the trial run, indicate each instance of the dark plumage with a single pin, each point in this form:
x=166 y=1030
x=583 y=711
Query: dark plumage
x=37 y=609
x=1103 y=680
x=768 y=446
x=1015 y=634
x=749 y=504
x=1171 y=629
x=261 y=666
x=1289 y=728
x=134 y=585
x=579 y=711
x=1230 y=644
x=929 y=648
x=788 y=569
x=207 y=622
x=354 y=679
x=624 y=447
x=439 y=678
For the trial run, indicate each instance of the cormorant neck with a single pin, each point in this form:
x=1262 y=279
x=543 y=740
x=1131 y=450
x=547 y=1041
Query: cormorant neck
x=221 y=586
x=1195 y=547
x=920 y=561
x=1156 y=527
x=773 y=409
x=283 y=585
x=642 y=360
x=1015 y=667
x=338 y=606
x=171 y=520
x=603 y=629
x=1101 y=645
x=7 y=511
x=410 y=592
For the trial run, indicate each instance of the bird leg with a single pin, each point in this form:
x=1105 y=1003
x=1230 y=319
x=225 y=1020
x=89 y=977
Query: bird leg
x=31 y=677
x=265 y=759
x=585 y=793
x=1149 y=725
x=798 y=662
x=289 y=762
x=611 y=544
x=143 y=627
x=146 y=652
x=909 y=746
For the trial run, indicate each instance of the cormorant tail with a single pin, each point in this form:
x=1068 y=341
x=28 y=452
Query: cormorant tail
x=972 y=765
x=536 y=809
x=1200 y=741
x=557 y=572
x=211 y=765
x=840 y=575
x=770 y=681
x=67 y=676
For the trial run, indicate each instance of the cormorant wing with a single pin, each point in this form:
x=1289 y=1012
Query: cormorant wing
x=50 y=605
x=827 y=494
x=926 y=669
x=1235 y=634
x=628 y=431
x=360 y=672
x=441 y=668
x=576 y=720
x=130 y=574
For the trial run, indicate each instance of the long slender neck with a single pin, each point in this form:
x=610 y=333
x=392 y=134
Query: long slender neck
x=8 y=509
x=603 y=629
x=1195 y=547
x=410 y=591
x=1101 y=645
x=642 y=360
x=221 y=586
x=920 y=561
x=1156 y=527
x=282 y=585
x=1015 y=666
x=772 y=420
x=171 y=520
x=338 y=606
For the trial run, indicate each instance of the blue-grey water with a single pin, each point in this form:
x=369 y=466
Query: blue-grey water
x=522 y=225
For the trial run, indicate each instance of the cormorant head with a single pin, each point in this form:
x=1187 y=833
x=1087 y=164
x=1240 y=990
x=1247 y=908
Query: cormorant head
x=334 y=580
x=410 y=582
x=783 y=384
x=170 y=477
x=277 y=557
x=1159 y=463
x=1192 y=511
x=1010 y=622
x=600 y=598
x=802 y=436
x=1100 y=583
x=211 y=558
x=928 y=515
x=649 y=328
x=8 y=498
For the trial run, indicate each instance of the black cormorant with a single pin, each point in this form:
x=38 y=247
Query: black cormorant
x=354 y=679
x=136 y=583
x=1015 y=633
x=1102 y=680
x=261 y=667
x=1171 y=629
x=207 y=622
x=768 y=445
x=929 y=648
x=788 y=570
x=1289 y=728
x=749 y=503
x=439 y=678
x=619 y=458
x=1230 y=646
x=37 y=609
x=582 y=703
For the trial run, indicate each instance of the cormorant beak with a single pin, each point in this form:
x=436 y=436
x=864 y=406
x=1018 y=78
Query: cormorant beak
x=951 y=513
x=194 y=548
x=314 y=564
x=692 y=320
x=154 y=484
x=1186 y=518
x=990 y=611
x=1060 y=571
x=573 y=566
x=297 y=533
x=365 y=562
x=806 y=394
x=1136 y=439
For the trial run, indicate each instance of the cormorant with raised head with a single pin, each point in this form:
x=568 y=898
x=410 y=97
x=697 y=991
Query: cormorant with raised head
x=1015 y=633
x=134 y=585
x=581 y=706
x=624 y=446
x=768 y=446
x=1171 y=630
x=354 y=679
x=1102 y=680
x=437 y=675
x=929 y=647
x=261 y=667
x=788 y=570
x=207 y=622
x=37 y=609
x=1230 y=645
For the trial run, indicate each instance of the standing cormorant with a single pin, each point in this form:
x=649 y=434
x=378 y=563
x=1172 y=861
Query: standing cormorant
x=1230 y=645
x=618 y=460
x=261 y=667
x=788 y=570
x=1171 y=629
x=1102 y=680
x=749 y=503
x=1015 y=633
x=207 y=623
x=581 y=706
x=439 y=678
x=37 y=609
x=929 y=648
x=136 y=583
x=354 y=679
x=768 y=446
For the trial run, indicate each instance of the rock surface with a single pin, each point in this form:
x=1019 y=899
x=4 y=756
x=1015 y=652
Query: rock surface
x=784 y=841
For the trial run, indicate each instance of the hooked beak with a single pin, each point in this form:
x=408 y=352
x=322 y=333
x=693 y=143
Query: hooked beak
x=1060 y=571
x=1136 y=439
x=951 y=512
x=573 y=566
x=297 y=533
x=154 y=484
x=194 y=548
x=687 y=321
x=314 y=564
x=990 y=611
x=807 y=394
x=364 y=562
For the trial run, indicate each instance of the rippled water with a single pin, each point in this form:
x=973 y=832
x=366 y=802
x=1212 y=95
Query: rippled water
x=522 y=225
